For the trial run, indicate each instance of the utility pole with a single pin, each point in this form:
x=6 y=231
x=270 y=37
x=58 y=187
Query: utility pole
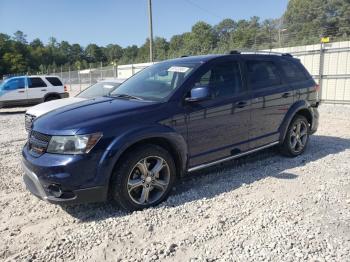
x=150 y=30
x=280 y=31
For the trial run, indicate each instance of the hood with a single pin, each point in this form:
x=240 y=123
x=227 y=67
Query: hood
x=46 y=107
x=91 y=115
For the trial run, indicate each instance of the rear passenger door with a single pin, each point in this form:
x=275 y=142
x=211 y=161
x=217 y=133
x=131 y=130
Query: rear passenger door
x=271 y=99
x=37 y=89
x=218 y=127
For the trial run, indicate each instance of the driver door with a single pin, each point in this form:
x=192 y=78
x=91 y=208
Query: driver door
x=219 y=127
x=14 y=92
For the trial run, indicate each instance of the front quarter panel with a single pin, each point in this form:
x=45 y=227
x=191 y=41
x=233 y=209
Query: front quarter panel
x=121 y=143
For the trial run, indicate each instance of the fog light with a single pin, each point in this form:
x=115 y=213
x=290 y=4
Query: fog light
x=55 y=190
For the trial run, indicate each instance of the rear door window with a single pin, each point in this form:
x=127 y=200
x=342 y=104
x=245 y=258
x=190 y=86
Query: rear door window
x=262 y=74
x=54 y=81
x=292 y=71
x=34 y=82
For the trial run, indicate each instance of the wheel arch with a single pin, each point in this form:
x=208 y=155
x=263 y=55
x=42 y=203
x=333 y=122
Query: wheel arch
x=298 y=108
x=167 y=139
x=51 y=94
x=160 y=141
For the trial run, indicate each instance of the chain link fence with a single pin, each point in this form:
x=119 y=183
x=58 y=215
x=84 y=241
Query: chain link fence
x=77 y=81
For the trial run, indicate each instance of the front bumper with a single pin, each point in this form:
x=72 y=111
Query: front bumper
x=41 y=186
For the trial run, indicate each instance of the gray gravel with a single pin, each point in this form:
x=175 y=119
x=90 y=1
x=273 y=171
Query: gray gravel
x=261 y=207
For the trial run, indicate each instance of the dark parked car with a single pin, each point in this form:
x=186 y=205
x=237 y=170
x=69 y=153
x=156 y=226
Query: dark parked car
x=172 y=118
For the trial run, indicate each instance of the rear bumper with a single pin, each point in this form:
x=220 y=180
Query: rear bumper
x=315 y=120
x=42 y=191
x=64 y=95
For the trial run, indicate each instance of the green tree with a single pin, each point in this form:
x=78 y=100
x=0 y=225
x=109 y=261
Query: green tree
x=113 y=52
x=19 y=36
x=129 y=55
x=94 y=53
x=308 y=20
x=15 y=63
x=176 y=46
x=201 y=39
x=161 y=48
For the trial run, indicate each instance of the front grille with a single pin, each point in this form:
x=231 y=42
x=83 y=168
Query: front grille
x=38 y=143
x=28 y=121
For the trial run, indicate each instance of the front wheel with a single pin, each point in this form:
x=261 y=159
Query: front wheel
x=297 y=137
x=144 y=178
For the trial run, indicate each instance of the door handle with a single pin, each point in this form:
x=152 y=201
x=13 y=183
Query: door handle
x=43 y=90
x=241 y=104
x=21 y=91
x=286 y=95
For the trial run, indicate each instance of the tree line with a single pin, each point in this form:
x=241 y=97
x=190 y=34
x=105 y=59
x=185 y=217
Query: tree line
x=304 y=22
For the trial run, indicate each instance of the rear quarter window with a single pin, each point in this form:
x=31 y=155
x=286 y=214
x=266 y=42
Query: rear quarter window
x=54 y=81
x=293 y=71
x=262 y=74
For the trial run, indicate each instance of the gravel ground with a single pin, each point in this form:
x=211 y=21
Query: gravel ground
x=261 y=207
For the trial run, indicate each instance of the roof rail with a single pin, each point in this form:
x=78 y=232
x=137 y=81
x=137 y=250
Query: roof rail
x=258 y=52
x=184 y=56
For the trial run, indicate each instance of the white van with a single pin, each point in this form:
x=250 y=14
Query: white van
x=30 y=90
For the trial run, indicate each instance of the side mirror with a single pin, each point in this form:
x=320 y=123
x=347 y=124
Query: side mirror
x=199 y=94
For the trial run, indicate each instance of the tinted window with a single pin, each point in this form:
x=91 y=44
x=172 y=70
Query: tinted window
x=223 y=79
x=292 y=71
x=54 y=81
x=13 y=84
x=36 y=82
x=262 y=74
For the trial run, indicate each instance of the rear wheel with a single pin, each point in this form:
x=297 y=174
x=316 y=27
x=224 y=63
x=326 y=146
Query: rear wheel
x=50 y=98
x=144 y=178
x=297 y=137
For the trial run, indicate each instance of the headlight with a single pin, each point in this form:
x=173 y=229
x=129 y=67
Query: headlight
x=79 y=144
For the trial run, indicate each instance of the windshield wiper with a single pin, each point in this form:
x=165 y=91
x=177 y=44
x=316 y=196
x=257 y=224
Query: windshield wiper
x=126 y=96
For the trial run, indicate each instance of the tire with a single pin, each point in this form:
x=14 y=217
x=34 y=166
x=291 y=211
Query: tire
x=297 y=137
x=136 y=184
x=50 y=98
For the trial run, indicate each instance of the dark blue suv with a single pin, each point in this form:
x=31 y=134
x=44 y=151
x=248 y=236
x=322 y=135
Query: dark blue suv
x=172 y=118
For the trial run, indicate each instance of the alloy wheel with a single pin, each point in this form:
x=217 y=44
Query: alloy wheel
x=299 y=136
x=148 y=180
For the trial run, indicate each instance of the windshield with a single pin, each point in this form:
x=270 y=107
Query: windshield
x=156 y=82
x=99 y=89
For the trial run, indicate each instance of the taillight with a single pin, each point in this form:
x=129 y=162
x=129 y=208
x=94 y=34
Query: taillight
x=65 y=89
x=317 y=87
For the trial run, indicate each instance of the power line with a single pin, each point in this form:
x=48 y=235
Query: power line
x=204 y=9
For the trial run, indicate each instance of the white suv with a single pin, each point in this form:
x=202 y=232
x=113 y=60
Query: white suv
x=102 y=88
x=29 y=90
